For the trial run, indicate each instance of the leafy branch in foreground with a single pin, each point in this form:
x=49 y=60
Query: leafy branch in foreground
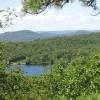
x=6 y=17
x=38 y=6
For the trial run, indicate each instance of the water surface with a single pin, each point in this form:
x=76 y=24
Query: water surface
x=31 y=70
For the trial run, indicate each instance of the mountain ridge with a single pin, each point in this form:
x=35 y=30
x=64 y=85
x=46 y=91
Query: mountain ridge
x=27 y=35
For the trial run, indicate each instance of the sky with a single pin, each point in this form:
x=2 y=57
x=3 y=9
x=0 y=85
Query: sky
x=73 y=16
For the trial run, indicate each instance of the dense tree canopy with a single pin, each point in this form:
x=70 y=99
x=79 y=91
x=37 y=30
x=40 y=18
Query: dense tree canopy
x=71 y=78
x=51 y=50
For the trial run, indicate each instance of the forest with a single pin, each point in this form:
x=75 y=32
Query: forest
x=51 y=50
x=75 y=74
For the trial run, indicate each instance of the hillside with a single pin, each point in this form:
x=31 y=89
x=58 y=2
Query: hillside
x=52 y=49
x=75 y=73
x=26 y=35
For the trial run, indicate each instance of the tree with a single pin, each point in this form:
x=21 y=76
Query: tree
x=38 y=6
x=7 y=16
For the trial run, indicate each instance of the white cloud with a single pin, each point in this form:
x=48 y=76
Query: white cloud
x=55 y=20
x=81 y=14
x=18 y=8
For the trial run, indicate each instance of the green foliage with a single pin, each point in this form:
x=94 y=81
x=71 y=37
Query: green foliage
x=90 y=97
x=34 y=5
x=77 y=79
x=73 y=78
x=51 y=50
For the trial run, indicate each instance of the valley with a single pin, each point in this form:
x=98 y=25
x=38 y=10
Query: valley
x=75 y=72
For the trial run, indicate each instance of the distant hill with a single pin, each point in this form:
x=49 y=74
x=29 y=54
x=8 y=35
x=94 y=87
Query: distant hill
x=66 y=32
x=26 y=35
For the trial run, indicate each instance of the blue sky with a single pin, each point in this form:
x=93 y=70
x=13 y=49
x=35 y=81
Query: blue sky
x=72 y=17
x=9 y=3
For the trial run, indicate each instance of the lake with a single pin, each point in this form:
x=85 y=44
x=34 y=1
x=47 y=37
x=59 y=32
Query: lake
x=33 y=70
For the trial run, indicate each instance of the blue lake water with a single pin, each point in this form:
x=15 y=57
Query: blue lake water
x=32 y=70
